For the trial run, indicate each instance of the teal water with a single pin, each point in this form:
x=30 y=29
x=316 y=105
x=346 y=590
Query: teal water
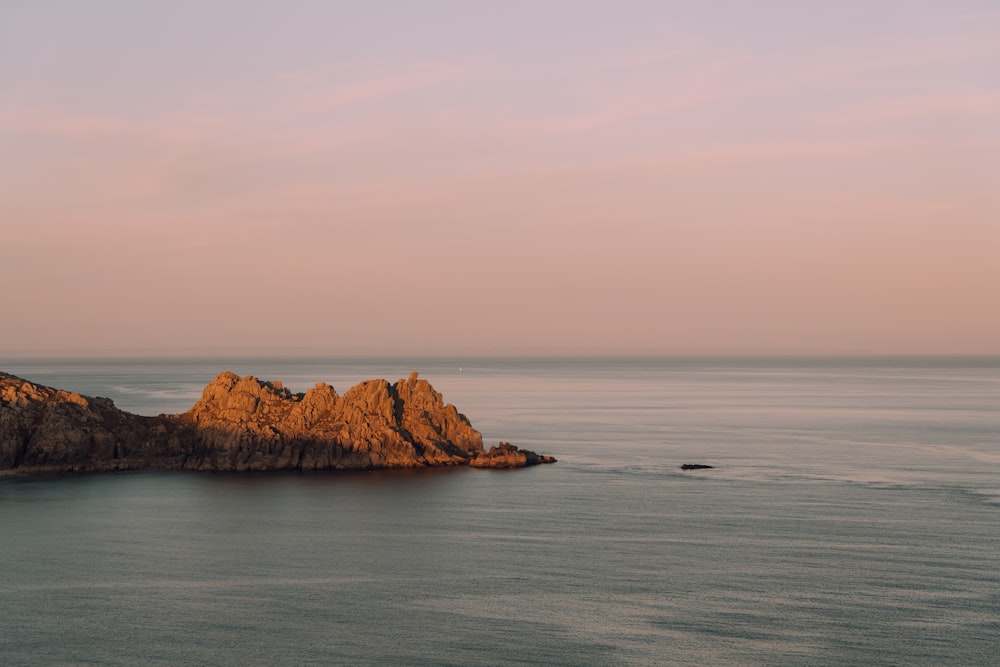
x=853 y=518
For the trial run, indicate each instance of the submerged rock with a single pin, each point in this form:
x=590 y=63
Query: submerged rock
x=242 y=423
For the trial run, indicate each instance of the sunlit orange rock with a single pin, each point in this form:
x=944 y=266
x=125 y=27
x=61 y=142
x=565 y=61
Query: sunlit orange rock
x=506 y=455
x=242 y=423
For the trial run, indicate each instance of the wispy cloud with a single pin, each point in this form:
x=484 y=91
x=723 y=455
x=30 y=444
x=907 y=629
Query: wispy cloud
x=956 y=107
x=884 y=61
x=315 y=93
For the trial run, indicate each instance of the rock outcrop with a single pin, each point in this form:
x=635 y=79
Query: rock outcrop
x=506 y=455
x=242 y=423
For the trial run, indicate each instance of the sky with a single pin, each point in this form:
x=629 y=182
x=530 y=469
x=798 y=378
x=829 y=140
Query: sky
x=445 y=177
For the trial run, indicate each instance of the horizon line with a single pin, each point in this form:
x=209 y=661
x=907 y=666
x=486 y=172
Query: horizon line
x=529 y=353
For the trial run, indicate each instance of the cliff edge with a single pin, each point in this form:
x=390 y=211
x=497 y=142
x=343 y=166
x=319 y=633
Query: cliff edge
x=242 y=423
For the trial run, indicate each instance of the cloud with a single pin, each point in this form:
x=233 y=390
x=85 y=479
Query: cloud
x=318 y=92
x=955 y=106
x=885 y=60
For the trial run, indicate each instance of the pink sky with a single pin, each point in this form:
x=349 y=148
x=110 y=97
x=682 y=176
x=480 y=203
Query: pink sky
x=500 y=177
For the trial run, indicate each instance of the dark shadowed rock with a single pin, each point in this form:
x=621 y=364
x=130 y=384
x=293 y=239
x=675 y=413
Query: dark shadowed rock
x=242 y=423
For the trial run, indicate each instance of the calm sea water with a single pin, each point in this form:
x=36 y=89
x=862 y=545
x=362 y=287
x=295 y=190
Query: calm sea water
x=853 y=518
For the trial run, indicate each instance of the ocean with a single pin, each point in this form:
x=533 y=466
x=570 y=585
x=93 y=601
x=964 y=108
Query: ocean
x=852 y=518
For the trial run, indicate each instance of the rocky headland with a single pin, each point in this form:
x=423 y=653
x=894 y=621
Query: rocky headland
x=242 y=423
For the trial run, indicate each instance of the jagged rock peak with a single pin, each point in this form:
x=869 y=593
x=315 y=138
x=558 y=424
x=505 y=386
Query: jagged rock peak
x=243 y=423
